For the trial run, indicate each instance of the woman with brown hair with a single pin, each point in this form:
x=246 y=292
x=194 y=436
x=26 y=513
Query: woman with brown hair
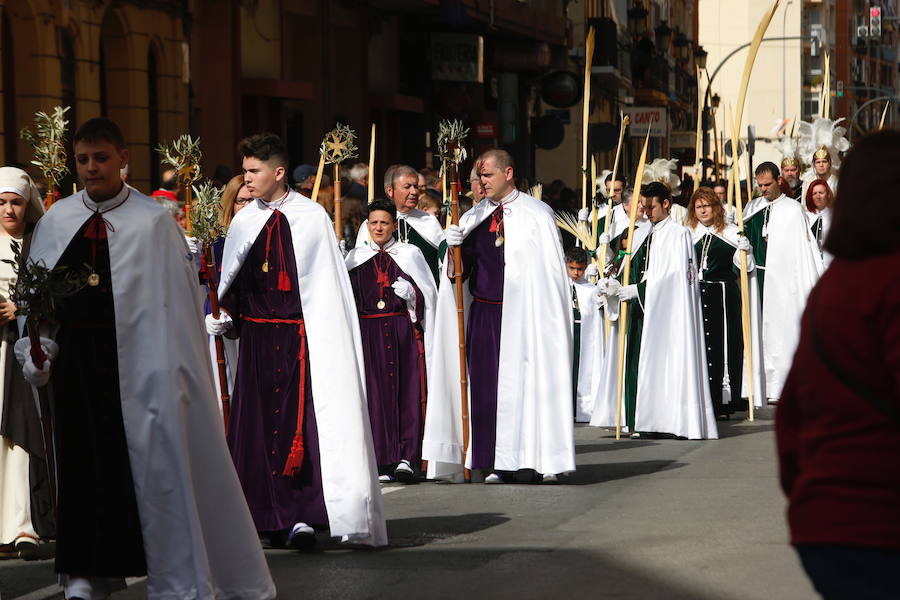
x=716 y=244
x=819 y=198
x=838 y=421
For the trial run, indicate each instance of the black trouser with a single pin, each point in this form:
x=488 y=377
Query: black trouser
x=845 y=572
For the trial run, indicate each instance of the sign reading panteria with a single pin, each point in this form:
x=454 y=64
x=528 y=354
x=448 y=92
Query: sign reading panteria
x=457 y=57
x=641 y=117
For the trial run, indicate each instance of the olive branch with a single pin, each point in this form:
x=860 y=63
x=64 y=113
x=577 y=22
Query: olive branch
x=38 y=288
x=48 y=144
x=184 y=156
x=451 y=135
x=206 y=222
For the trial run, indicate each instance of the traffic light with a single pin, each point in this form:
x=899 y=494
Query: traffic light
x=840 y=89
x=875 y=21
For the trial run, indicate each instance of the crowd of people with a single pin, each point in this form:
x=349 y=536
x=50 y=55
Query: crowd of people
x=343 y=346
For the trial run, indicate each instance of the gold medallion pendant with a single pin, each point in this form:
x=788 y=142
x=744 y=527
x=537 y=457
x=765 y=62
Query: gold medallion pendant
x=93 y=280
x=265 y=267
x=499 y=241
x=380 y=305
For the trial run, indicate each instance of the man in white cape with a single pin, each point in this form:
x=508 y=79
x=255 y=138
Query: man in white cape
x=788 y=264
x=672 y=388
x=519 y=340
x=395 y=296
x=414 y=226
x=299 y=430
x=145 y=483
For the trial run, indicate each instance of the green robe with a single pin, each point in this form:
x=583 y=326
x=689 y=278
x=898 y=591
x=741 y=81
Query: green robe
x=639 y=261
x=753 y=229
x=720 y=295
x=406 y=233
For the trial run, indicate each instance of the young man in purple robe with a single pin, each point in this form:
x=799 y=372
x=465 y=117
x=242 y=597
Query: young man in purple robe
x=395 y=296
x=518 y=306
x=299 y=431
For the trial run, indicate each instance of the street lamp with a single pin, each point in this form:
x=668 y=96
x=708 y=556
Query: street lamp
x=716 y=99
x=700 y=57
x=637 y=18
x=682 y=47
x=663 y=36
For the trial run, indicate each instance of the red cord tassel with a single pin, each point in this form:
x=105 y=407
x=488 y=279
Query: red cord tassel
x=284 y=282
x=295 y=458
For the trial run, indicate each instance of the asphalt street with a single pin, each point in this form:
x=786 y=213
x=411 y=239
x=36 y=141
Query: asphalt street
x=641 y=519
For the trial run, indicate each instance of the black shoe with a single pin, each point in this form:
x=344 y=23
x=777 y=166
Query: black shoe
x=301 y=538
x=404 y=472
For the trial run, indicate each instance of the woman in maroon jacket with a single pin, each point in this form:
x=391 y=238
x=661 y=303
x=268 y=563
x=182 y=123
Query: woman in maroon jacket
x=838 y=421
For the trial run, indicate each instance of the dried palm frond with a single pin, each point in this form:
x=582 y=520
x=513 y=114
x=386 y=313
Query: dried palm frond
x=580 y=229
x=451 y=135
x=206 y=222
x=184 y=156
x=339 y=144
x=537 y=190
x=48 y=143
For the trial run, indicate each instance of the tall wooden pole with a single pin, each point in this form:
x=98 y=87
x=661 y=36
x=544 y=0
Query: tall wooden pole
x=188 y=197
x=623 y=311
x=586 y=112
x=338 y=216
x=451 y=173
x=607 y=225
x=698 y=159
x=372 y=178
x=212 y=284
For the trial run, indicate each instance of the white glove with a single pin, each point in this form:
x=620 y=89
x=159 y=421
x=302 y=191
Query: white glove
x=219 y=326
x=612 y=287
x=744 y=244
x=601 y=287
x=194 y=245
x=22 y=349
x=33 y=375
x=584 y=214
x=342 y=246
x=454 y=235
x=602 y=239
x=591 y=271
x=404 y=290
x=628 y=292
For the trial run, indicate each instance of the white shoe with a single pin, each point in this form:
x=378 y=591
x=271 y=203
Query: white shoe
x=301 y=537
x=635 y=436
x=385 y=479
x=550 y=478
x=493 y=478
x=404 y=472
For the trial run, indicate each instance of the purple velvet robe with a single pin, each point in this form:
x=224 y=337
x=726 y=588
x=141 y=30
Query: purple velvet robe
x=483 y=267
x=393 y=353
x=267 y=389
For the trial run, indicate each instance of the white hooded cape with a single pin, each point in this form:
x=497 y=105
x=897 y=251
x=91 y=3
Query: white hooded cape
x=349 y=473
x=199 y=538
x=673 y=381
x=793 y=265
x=534 y=390
x=590 y=359
x=410 y=260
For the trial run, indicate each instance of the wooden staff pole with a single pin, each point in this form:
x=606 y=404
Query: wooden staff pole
x=38 y=358
x=735 y=190
x=623 y=311
x=212 y=284
x=607 y=225
x=188 y=197
x=586 y=113
x=49 y=198
x=451 y=173
x=338 y=216
x=699 y=170
x=319 y=171
x=371 y=178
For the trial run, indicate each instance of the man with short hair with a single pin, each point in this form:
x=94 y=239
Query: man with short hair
x=304 y=179
x=721 y=190
x=395 y=297
x=414 y=226
x=145 y=484
x=518 y=307
x=299 y=431
x=669 y=377
x=615 y=188
x=787 y=267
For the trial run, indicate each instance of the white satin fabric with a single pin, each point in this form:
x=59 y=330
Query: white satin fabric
x=349 y=473
x=534 y=389
x=673 y=381
x=590 y=359
x=199 y=537
x=793 y=265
